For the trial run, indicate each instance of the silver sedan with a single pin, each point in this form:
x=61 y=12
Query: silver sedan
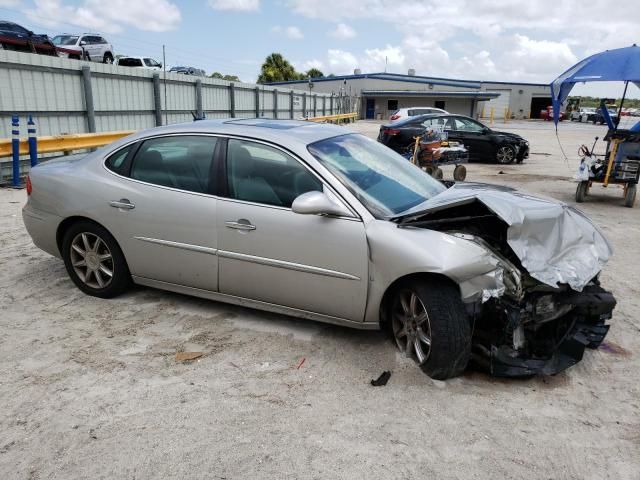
x=316 y=222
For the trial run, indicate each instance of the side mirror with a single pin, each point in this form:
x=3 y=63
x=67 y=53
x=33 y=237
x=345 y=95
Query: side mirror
x=83 y=43
x=318 y=203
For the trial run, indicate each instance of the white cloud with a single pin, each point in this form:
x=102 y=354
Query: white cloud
x=9 y=3
x=235 y=5
x=484 y=39
x=343 y=32
x=341 y=62
x=294 y=33
x=106 y=15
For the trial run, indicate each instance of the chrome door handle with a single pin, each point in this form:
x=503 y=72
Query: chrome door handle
x=122 y=203
x=241 y=224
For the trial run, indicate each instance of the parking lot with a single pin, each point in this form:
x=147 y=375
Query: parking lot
x=90 y=388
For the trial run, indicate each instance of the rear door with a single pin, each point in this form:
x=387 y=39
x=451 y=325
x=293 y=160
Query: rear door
x=269 y=253
x=162 y=210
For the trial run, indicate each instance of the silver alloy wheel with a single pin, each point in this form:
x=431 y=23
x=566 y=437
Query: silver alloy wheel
x=411 y=326
x=91 y=260
x=505 y=154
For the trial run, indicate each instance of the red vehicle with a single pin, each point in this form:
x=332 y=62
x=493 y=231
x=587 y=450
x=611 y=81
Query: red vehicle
x=547 y=114
x=15 y=37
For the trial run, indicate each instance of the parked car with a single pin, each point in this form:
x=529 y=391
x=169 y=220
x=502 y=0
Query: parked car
x=547 y=114
x=188 y=71
x=413 y=112
x=85 y=46
x=16 y=37
x=583 y=114
x=312 y=221
x=139 y=62
x=483 y=143
x=599 y=118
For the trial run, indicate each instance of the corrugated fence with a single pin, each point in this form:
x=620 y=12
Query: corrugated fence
x=71 y=96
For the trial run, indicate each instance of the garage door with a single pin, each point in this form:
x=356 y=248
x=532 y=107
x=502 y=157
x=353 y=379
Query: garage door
x=499 y=104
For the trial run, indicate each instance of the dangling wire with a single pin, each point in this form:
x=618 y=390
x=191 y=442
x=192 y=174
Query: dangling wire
x=566 y=159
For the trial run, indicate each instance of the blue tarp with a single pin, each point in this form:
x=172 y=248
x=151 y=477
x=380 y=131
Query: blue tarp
x=621 y=64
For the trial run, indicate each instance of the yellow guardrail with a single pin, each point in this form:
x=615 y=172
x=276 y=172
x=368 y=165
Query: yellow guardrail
x=350 y=117
x=65 y=143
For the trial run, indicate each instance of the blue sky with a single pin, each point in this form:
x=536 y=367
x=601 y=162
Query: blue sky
x=473 y=39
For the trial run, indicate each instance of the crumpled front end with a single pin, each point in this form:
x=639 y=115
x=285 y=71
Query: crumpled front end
x=545 y=305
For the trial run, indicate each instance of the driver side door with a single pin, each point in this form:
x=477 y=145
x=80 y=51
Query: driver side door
x=268 y=253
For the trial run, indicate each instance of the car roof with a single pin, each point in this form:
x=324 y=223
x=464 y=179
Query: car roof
x=293 y=134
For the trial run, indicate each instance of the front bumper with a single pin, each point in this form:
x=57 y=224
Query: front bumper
x=583 y=327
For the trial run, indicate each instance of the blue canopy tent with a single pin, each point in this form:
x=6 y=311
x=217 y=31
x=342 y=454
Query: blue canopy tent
x=621 y=64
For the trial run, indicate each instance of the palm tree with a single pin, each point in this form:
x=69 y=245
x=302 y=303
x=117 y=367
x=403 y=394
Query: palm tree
x=315 y=73
x=276 y=69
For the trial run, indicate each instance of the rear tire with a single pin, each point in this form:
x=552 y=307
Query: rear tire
x=438 y=174
x=108 y=58
x=94 y=260
x=429 y=323
x=630 y=197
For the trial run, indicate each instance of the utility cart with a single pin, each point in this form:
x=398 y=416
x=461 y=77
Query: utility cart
x=619 y=165
x=432 y=150
x=621 y=162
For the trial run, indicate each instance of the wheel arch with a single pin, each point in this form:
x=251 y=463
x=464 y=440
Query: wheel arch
x=69 y=221
x=393 y=286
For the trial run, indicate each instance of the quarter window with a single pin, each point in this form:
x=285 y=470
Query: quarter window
x=115 y=162
x=183 y=162
x=262 y=174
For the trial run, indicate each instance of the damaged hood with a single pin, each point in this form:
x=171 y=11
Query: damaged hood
x=556 y=243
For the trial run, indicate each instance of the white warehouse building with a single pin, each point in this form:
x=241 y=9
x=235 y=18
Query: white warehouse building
x=378 y=95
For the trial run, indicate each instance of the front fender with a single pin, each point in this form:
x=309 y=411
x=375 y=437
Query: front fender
x=395 y=252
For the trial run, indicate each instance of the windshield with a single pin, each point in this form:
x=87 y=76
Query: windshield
x=65 y=39
x=385 y=182
x=130 y=62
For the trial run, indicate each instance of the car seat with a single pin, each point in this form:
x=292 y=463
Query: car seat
x=244 y=183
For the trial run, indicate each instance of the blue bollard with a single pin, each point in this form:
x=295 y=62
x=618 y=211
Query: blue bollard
x=33 y=141
x=15 y=148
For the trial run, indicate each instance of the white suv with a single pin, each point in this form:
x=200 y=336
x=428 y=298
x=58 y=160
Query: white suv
x=86 y=46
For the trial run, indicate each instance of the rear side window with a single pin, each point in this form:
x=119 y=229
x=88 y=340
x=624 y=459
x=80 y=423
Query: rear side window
x=130 y=62
x=183 y=162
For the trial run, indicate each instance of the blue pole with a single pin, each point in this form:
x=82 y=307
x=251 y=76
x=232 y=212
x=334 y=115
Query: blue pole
x=33 y=141
x=15 y=147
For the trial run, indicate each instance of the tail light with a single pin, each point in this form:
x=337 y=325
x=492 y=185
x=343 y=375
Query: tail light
x=29 y=186
x=394 y=117
x=391 y=131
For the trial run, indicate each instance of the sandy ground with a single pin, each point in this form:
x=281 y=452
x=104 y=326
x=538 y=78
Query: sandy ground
x=90 y=388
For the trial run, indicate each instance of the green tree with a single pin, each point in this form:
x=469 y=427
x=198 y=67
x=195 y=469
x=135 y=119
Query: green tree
x=216 y=75
x=314 y=73
x=231 y=78
x=277 y=69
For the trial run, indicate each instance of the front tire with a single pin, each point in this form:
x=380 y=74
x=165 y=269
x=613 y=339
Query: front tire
x=430 y=324
x=630 y=196
x=581 y=191
x=94 y=260
x=505 y=154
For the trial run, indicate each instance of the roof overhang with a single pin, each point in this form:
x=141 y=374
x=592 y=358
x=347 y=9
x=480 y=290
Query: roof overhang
x=475 y=95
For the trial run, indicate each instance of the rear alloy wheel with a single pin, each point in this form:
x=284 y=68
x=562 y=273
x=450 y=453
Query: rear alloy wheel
x=505 y=154
x=581 y=191
x=94 y=260
x=430 y=325
x=460 y=173
x=630 y=196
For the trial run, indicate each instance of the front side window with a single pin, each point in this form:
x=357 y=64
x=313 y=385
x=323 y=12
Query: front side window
x=384 y=182
x=467 y=125
x=263 y=174
x=182 y=161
